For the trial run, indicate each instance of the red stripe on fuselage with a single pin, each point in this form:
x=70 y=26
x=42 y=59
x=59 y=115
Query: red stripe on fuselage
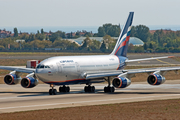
x=123 y=43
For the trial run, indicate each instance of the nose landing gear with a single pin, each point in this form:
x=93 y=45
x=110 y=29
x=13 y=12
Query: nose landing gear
x=52 y=91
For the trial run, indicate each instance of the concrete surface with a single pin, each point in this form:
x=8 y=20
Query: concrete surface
x=15 y=98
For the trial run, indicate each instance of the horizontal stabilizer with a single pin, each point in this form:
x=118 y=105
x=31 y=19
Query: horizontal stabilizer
x=153 y=58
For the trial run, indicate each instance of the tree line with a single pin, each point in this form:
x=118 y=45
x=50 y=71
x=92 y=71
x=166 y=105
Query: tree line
x=156 y=41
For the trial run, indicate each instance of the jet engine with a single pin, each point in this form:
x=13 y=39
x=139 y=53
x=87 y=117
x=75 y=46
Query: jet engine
x=121 y=82
x=29 y=82
x=12 y=78
x=155 y=79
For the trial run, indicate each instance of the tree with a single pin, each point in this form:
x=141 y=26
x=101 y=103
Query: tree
x=95 y=45
x=141 y=32
x=145 y=46
x=109 y=29
x=30 y=38
x=86 y=43
x=42 y=31
x=103 y=46
x=101 y=32
x=57 y=36
x=88 y=34
x=15 y=32
x=150 y=46
x=110 y=42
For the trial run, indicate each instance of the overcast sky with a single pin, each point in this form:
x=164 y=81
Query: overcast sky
x=87 y=12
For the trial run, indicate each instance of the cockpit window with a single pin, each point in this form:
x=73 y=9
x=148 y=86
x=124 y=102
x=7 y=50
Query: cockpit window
x=38 y=66
x=47 y=66
x=42 y=66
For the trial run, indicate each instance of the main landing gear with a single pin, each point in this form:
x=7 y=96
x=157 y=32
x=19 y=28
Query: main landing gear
x=64 y=89
x=89 y=89
x=52 y=91
x=61 y=89
x=109 y=89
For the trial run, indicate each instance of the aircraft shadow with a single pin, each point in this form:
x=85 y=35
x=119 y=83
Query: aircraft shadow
x=32 y=93
x=98 y=91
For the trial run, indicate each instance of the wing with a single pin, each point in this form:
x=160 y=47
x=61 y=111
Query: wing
x=129 y=73
x=102 y=74
x=18 y=69
x=153 y=58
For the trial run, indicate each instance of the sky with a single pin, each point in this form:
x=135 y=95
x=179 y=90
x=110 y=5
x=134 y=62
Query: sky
x=23 y=13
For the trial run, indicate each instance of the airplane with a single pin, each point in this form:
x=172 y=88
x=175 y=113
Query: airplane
x=68 y=70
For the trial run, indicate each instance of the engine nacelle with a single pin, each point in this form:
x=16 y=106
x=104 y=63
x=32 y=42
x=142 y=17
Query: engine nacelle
x=121 y=82
x=155 y=79
x=29 y=82
x=12 y=79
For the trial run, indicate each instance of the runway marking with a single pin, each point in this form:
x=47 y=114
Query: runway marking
x=164 y=62
x=87 y=101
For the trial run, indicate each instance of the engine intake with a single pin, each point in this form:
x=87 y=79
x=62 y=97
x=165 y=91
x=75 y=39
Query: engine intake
x=121 y=82
x=29 y=82
x=155 y=79
x=12 y=79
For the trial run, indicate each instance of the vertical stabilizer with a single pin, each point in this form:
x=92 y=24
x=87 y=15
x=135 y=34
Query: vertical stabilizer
x=121 y=46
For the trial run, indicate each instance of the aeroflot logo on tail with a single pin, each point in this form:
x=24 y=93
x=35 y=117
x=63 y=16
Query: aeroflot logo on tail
x=66 y=61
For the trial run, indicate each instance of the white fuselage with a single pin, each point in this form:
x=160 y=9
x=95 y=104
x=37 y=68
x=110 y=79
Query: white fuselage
x=69 y=68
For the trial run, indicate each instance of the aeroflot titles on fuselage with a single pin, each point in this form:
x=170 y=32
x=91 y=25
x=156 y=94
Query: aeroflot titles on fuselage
x=66 y=61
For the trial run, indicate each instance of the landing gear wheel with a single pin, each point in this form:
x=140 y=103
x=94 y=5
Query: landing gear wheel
x=64 y=89
x=86 y=88
x=60 y=89
x=54 y=91
x=109 y=89
x=92 y=89
x=89 y=89
x=105 y=89
x=50 y=92
x=112 y=89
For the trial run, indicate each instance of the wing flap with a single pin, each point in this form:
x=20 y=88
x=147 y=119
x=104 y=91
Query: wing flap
x=101 y=74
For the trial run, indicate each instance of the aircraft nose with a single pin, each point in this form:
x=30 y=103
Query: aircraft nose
x=38 y=73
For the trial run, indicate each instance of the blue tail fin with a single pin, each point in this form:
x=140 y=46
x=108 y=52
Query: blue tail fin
x=121 y=46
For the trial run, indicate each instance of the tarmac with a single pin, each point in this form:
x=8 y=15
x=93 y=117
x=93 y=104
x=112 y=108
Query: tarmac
x=14 y=98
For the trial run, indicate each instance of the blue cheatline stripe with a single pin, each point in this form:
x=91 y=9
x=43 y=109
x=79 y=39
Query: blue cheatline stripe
x=129 y=32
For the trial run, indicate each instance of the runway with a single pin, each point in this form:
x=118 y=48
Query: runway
x=15 y=98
